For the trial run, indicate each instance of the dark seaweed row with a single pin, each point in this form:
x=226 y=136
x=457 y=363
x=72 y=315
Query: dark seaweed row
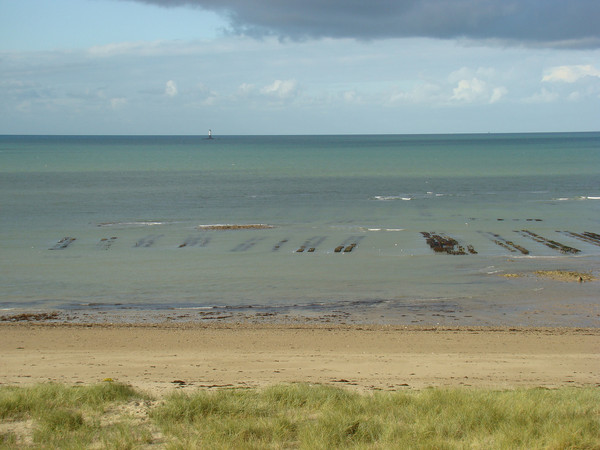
x=106 y=243
x=586 y=236
x=148 y=241
x=505 y=243
x=311 y=244
x=548 y=242
x=445 y=244
x=349 y=244
x=345 y=248
x=246 y=245
x=439 y=243
x=63 y=243
x=195 y=241
x=516 y=220
x=279 y=244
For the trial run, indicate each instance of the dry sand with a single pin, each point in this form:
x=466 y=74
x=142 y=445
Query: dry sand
x=162 y=357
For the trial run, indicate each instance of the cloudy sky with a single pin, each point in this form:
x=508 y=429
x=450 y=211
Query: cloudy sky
x=298 y=66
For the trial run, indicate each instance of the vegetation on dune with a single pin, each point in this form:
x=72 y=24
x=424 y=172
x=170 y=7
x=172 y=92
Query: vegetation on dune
x=324 y=417
x=58 y=416
x=299 y=416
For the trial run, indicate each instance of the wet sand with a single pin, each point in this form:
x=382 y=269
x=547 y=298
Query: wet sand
x=162 y=357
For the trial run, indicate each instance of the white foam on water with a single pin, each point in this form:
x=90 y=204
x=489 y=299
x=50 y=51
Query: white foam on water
x=386 y=198
x=490 y=270
x=133 y=224
x=542 y=257
x=578 y=198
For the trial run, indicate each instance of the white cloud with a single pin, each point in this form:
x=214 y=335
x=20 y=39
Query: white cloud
x=476 y=90
x=544 y=96
x=460 y=74
x=347 y=84
x=245 y=89
x=570 y=74
x=469 y=90
x=498 y=93
x=171 y=88
x=283 y=89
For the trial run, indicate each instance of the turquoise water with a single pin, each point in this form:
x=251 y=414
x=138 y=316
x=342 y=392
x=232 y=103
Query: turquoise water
x=154 y=194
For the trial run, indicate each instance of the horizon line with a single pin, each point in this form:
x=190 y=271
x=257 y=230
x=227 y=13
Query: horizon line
x=484 y=133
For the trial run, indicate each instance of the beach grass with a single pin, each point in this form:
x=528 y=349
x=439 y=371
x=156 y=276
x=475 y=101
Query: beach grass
x=299 y=416
x=52 y=415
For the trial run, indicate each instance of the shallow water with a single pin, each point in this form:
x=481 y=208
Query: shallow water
x=131 y=203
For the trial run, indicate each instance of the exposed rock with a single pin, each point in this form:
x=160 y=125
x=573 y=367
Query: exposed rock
x=558 y=275
x=566 y=275
x=29 y=317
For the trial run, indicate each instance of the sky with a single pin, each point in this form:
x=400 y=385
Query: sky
x=298 y=66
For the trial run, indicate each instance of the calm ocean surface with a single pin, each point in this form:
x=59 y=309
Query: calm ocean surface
x=131 y=203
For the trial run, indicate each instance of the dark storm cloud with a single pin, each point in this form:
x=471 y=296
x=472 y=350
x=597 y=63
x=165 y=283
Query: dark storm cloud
x=553 y=23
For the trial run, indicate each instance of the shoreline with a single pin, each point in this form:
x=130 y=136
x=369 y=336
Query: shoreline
x=161 y=357
x=526 y=313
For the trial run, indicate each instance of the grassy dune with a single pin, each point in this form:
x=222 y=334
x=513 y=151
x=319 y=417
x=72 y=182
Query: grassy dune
x=58 y=416
x=298 y=416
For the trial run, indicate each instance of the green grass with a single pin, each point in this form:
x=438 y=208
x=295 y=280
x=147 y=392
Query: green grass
x=306 y=416
x=16 y=402
x=302 y=416
x=67 y=417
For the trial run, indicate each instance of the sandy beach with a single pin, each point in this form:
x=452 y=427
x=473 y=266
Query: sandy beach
x=162 y=357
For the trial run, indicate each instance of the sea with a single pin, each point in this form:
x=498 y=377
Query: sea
x=389 y=229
